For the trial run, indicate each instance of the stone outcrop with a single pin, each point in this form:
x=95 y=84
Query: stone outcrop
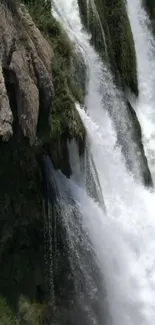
x=25 y=69
x=108 y=23
x=6 y=117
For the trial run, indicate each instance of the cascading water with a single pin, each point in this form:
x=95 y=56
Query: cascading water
x=121 y=242
x=145 y=50
x=89 y=292
x=84 y=172
x=100 y=89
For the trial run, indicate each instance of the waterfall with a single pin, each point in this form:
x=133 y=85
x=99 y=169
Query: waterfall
x=145 y=50
x=111 y=251
x=103 y=98
x=89 y=292
x=85 y=173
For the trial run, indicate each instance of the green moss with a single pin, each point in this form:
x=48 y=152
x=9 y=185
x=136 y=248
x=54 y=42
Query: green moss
x=30 y=313
x=6 y=314
x=27 y=313
x=64 y=120
x=93 y=23
x=122 y=50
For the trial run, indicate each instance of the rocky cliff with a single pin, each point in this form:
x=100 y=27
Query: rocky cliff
x=37 y=116
x=41 y=79
x=25 y=70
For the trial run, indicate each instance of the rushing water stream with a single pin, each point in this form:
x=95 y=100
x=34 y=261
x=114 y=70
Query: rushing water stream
x=122 y=239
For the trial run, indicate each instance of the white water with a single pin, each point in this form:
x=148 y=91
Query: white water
x=103 y=95
x=145 y=50
x=124 y=238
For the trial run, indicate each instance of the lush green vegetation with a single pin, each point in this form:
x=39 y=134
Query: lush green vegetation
x=64 y=119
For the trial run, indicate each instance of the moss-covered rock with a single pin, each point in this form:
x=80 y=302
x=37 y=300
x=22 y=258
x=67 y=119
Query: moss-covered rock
x=112 y=21
x=30 y=313
x=6 y=314
x=22 y=191
x=143 y=167
x=93 y=22
x=64 y=120
x=121 y=49
x=27 y=313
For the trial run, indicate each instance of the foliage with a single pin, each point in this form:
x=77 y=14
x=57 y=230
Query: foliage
x=65 y=122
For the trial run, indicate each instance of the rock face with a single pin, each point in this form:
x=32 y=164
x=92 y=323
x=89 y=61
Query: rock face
x=25 y=59
x=28 y=70
x=6 y=117
x=109 y=25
